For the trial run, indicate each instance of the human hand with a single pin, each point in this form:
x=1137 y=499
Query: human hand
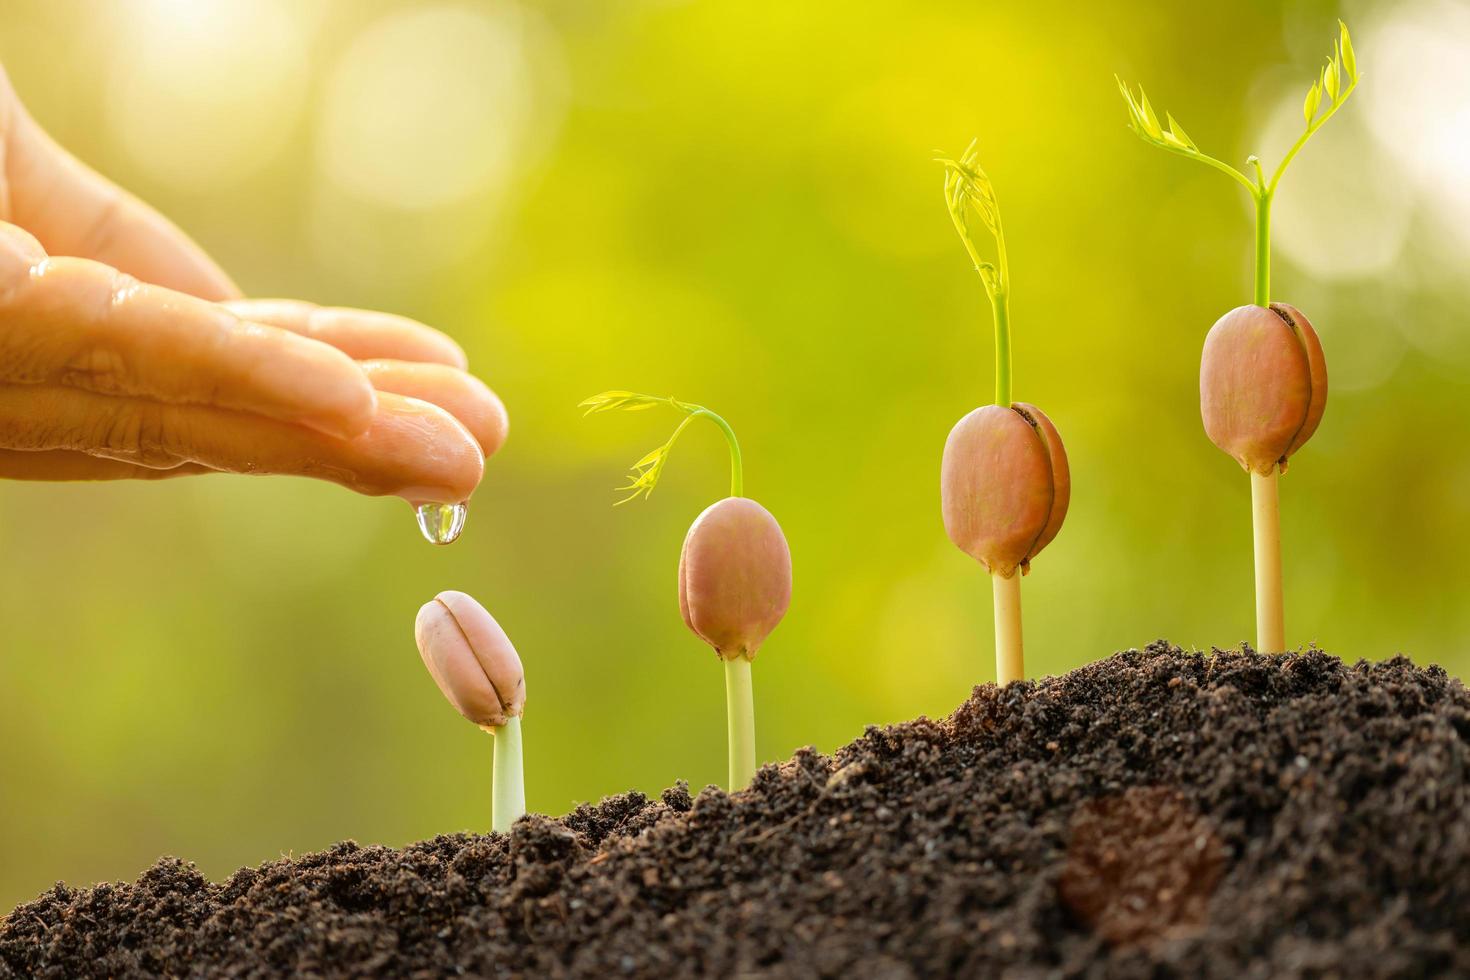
x=133 y=357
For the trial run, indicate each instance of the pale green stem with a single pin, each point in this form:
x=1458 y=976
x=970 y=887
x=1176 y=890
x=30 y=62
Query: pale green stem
x=1210 y=161
x=737 y=468
x=508 y=803
x=1000 y=304
x=1266 y=534
x=1263 y=248
x=1010 y=660
x=740 y=713
x=1000 y=301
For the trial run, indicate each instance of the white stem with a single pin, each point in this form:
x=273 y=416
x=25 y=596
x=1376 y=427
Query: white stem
x=740 y=717
x=509 y=793
x=1010 y=662
x=1266 y=526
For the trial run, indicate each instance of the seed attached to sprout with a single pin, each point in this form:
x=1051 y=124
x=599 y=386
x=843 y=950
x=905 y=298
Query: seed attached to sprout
x=479 y=672
x=734 y=577
x=1005 y=485
x=1262 y=385
x=1004 y=481
x=1263 y=377
x=734 y=570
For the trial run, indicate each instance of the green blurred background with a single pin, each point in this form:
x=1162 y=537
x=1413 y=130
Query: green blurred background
x=734 y=203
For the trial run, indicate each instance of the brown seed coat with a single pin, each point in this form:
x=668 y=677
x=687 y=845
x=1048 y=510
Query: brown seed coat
x=734 y=577
x=1263 y=384
x=1005 y=485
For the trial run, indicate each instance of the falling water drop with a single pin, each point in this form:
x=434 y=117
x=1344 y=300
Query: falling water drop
x=441 y=523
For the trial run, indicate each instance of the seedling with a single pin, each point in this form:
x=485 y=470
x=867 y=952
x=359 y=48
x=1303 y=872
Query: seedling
x=476 y=667
x=1263 y=377
x=1004 y=481
x=734 y=569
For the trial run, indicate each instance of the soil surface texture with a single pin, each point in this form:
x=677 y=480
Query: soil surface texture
x=1159 y=813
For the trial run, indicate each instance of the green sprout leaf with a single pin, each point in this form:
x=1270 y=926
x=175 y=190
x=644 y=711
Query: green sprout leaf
x=967 y=188
x=1176 y=134
x=967 y=192
x=1336 y=80
x=1314 y=101
x=1330 y=79
x=643 y=475
x=1345 y=46
x=1146 y=111
x=1145 y=124
x=1341 y=65
x=619 y=401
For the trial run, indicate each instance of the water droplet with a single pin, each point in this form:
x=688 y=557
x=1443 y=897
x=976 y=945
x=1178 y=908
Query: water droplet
x=441 y=523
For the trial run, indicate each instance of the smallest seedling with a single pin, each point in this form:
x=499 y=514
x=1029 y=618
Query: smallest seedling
x=476 y=667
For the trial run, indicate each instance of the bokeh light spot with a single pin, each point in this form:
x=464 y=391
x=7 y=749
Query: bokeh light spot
x=203 y=94
x=428 y=107
x=1416 y=103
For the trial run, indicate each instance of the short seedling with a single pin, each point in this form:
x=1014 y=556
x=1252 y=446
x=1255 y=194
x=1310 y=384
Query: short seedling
x=474 y=664
x=1004 y=481
x=1263 y=377
x=734 y=570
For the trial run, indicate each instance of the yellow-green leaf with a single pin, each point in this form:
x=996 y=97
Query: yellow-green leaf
x=651 y=458
x=1177 y=131
x=1150 y=121
x=1330 y=79
x=1127 y=94
x=1349 y=59
x=1314 y=101
x=615 y=401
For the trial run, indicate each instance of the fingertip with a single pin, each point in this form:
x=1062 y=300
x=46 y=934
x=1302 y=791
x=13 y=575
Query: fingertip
x=447 y=459
x=454 y=354
x=460 y=393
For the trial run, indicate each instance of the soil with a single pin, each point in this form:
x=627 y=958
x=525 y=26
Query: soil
x=1159 y=813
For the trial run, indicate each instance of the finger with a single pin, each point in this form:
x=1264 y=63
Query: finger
x=75 y=211
x=462 y=395
x=82 y=324
x=413 y=449
x=61 y=465
x=361 y=334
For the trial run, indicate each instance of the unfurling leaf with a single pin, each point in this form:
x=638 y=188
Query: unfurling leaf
x=1178 y=134
x=1314 y=100
x=619 y=401
x=644 y=474
x=966 y=184
x=651 y=458
x=1150 y=121
x=1135 y=118
x=1330 y=79
x=1349 y=60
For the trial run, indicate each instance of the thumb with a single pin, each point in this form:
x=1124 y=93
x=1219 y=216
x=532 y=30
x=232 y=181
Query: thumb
x=75 y=211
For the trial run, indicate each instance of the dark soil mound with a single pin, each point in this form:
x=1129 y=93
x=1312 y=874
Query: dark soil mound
x=1158 y=813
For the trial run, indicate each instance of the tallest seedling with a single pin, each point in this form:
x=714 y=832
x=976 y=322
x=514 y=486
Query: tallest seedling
x=1004 y=482
x=1263 y=378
